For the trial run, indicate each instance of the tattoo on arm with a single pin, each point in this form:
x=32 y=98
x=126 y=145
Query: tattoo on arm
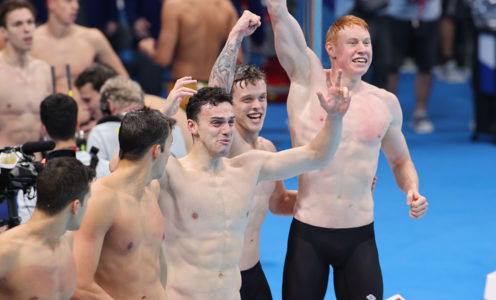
x=222 y=74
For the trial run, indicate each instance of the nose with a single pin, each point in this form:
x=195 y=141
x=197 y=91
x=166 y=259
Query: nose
x=226 y=130
x=256 y=105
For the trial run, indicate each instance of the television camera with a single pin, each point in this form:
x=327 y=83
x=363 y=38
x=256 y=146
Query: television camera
x=18 y=171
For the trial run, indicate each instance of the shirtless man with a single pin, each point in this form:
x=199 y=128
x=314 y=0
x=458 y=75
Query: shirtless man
x=206 y=197
x=36 y=259
x=118 y=246
x=191 y=36
x=249 y=93
x=24 y=80
x=61 y=42
x=333 y=222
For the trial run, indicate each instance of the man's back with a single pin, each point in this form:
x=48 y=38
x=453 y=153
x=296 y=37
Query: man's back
x=203 y=27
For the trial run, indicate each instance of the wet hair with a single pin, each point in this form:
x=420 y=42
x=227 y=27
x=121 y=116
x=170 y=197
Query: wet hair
x=8 y=6
x=122 y=92
x=58 y=114
x=341 y=23
x=206 y=95
x=140 y=129
x=96 y=74
x=245 y=74
x=63 y=180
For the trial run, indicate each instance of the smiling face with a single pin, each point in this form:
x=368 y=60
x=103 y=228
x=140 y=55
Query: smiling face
x=214 y=128
x=250 y=105
x=352 y=50
x=19 y=29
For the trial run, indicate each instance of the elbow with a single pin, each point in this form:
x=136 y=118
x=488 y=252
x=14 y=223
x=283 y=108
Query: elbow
x=162 y=61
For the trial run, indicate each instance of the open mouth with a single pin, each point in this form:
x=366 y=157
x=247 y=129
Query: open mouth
x=361 y=60
x=255 y=116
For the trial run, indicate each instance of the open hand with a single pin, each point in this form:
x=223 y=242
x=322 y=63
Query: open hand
x=338 y=98
x=177 y=94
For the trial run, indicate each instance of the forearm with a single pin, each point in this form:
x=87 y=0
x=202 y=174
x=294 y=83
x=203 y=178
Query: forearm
x=406 y=175
x=326 y=142
x=222 y=74
x=289 y=39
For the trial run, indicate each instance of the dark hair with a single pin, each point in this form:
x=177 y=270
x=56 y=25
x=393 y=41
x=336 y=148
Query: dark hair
x=206 y=95
x=8 y=6
x=96 y=74
x=141 y=129
x=62 y=180
x=245 y=74
x=58 y=113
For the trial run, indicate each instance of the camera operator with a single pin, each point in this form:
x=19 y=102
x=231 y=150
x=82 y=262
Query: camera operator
x=59 y=123
x=36 y=260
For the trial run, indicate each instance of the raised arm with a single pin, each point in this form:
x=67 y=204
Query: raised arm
x=222 y=74
x=163 y=52
x=396 y=151
x=291 y=48
x=322 y=147
x=106 y=55
x=88 y=242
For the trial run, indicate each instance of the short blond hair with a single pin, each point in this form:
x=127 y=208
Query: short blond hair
x=341 y=23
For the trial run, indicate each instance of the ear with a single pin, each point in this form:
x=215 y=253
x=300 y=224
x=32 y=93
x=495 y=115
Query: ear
x=3 y=33
x=156 y=151
x=111 y=106
x=75 y=206
x=77 y=126
x=49 y=3
x=330 y=50
x=193 y=127
x=43 y=130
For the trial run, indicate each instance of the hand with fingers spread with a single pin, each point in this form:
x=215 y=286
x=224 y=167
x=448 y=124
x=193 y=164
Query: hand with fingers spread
x=418 y=204
x=337 y=101
x=247 y=23
x=177 y=94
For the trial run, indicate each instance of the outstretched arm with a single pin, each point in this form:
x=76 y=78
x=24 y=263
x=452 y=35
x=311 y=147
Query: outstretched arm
x=222 y=74
x=396 y=151
x=291 y=48
x=322 y=147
